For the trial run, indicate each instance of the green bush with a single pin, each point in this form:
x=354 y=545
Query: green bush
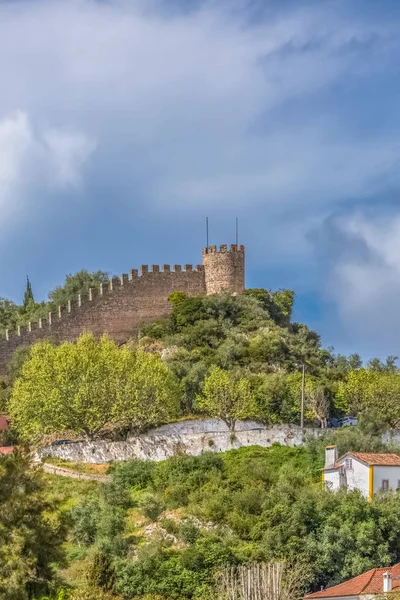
x=188 y=531
x=150 y=505
x=134 y=473
x=101 y=572
x=84 y=519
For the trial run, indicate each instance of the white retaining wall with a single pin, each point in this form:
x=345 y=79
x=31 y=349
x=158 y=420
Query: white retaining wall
x=187 y=437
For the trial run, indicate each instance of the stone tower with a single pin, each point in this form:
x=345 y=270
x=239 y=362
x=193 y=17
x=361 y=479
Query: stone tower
x=224 y=270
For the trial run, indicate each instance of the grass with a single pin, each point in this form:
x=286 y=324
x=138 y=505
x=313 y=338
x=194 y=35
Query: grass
x=68 y=492
x=89 y=468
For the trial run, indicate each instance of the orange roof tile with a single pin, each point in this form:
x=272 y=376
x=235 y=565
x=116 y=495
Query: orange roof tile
x=370 y=458
x=377 y=459
x=370 y=582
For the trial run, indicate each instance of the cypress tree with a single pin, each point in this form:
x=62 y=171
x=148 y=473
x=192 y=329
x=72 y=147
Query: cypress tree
x=28 y=296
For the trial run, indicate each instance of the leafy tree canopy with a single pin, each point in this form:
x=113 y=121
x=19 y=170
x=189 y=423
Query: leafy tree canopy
x=81 y=387
x=30 y=543
x=374 y=391
x=227 y=397
x=238 y=507
x=12 y=314
x=251 y=335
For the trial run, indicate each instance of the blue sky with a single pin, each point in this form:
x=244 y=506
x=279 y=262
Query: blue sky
x=123 y=123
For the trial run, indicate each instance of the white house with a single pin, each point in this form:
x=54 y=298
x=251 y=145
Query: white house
x=372 y=584
x=364 y=471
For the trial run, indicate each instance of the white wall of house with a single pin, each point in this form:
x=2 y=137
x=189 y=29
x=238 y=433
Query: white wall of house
x=391 y=473
x=332 y=479
x=357 y=478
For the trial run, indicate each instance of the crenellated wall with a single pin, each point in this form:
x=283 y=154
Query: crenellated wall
x=118 y=307
x=114 y=308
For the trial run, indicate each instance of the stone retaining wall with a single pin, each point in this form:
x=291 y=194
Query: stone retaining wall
x=188 y=437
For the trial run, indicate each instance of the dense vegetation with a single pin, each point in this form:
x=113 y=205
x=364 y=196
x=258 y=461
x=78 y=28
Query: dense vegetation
x=30 y=531
x=162 y=530
x=225 y=356
x=252 y=338
x=84 y=386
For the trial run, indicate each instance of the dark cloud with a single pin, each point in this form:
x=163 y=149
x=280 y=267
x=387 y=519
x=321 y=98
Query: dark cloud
x=122 y=124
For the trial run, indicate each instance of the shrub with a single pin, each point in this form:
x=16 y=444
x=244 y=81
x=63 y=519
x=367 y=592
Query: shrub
x=84 y=519
x=170 y=526
x=100 y=572
x=151 y=506
x=188 y=531
x=133 y=473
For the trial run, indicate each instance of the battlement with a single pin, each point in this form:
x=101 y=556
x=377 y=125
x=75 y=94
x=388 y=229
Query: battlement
x=92 y=294
x=223 y=249
x=153 y=269
x=123 y=303
x=224 y=269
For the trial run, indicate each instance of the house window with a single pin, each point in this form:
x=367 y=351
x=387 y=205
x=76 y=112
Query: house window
x=348 y=463
x=385 y=485
x=398 y=486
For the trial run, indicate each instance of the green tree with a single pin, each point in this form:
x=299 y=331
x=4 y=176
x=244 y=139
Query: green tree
x=273 y=396
x=29 y=543
x=28 y=296
x=372 y=391
x=100 y=572
x=147 y=394
x=317 y=400
x=227 y=397
x=79 y=283
x=376 y=364
x=278 y=304
x=8 y=314
x=81 y=387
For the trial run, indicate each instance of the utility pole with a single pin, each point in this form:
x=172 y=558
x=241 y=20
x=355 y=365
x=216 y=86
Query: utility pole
x=303 y=381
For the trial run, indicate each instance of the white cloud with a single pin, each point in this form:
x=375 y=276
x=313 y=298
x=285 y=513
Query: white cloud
x=191 y=97
x=42 y=160
x=364 y=279
x=15 y=140
x=200 y=110
x=67 y=152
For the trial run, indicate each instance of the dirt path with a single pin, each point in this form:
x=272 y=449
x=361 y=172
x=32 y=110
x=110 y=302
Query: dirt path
x=53 y=470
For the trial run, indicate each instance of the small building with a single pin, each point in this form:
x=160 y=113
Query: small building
x=374 y=583
x=364 y=471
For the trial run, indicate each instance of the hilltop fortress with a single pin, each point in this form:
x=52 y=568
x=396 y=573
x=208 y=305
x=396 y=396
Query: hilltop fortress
x=125 y=302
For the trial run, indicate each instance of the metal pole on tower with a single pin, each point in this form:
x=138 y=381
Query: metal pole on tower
x=207 y=232
x=237 y=231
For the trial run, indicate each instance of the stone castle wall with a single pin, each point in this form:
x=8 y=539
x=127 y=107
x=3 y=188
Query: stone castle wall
x=128 y=301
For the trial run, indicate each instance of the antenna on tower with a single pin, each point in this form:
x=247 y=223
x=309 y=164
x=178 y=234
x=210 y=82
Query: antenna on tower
x=237 y=231
x=206 y=232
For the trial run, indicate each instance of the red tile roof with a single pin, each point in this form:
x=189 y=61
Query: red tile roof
x=6 y=449
x=377 y=459
x=370 y=458
x=370 y=582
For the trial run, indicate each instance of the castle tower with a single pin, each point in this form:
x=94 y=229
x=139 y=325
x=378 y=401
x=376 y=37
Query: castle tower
x=224 y=270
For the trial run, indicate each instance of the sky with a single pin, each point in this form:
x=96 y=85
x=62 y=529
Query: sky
x=124 y=123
